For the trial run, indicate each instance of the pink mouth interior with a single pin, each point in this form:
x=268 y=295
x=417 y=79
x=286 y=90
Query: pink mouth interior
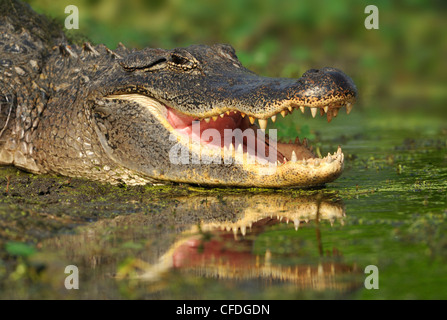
x=251 y=142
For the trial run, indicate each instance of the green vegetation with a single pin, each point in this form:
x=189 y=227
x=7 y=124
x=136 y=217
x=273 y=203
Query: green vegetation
x=394 y=186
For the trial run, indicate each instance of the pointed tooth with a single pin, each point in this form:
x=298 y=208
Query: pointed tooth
x=243 y=115
x=293 y=159
x=321 y=111
x=222 y=115
x=304 y=161
x=302 y=109
x=339 y=150
x=297 y=140
x=285 y=160
x=348 y=107
x=215 y=118
x=273 y=118
x=207 y=120
x=296 y=223
x=228 y=113
x=314 y=112
x=262 y=124
x=240 y=149
x=278 y=163
x=326 y=109
x=290 y=109
x=284 y=113
x=305 y=142
x=252 y=120
x=335 y=112
x=316 y=163
x=329 y=116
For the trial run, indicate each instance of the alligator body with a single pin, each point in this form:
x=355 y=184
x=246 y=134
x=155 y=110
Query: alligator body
x=186 y=115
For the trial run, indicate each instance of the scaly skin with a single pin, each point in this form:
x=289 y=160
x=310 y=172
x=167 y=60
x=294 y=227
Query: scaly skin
x=125 y=116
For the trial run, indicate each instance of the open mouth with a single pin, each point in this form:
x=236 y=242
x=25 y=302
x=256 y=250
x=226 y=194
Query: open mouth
x=235 y=134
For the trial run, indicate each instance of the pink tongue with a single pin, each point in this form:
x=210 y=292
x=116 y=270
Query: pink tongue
x=190 y=126
x=183 y=124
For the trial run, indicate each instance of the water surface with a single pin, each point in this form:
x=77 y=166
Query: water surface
x=388 y=210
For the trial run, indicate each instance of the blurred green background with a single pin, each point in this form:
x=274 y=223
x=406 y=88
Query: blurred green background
x=401 y=65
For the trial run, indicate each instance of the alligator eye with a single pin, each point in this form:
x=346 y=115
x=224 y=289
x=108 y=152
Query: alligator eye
x=182 y=61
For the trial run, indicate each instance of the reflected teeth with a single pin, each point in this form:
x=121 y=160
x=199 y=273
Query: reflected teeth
x=314 y=111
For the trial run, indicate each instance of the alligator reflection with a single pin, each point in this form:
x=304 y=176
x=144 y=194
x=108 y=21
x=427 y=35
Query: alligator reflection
x=218 y=236
x=222 y=247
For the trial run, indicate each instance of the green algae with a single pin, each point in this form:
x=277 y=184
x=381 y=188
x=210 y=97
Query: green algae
x=393 y=191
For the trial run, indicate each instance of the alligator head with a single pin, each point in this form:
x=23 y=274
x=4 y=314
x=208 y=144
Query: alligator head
x=185 y=115
x=189 y=115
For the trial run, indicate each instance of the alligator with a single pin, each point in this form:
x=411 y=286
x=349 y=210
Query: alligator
x=187 y=115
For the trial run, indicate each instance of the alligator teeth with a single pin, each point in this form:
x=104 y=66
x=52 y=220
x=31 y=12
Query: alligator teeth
x=240 y=149
x=284 y=113
x=215 y=118
x=339 y=150
x=335 y=112
x=314 y=111
x=273 y=118
x=321 y=111
x=262 y=124
x=326 y=109
x=207 y=120
x=228 y=113
x=290 y=109
x=304 y=142
x=243 y=115
x=252 y=120
x=222 y=115
x=348 y=107
x=302 y=109
x=293 y=158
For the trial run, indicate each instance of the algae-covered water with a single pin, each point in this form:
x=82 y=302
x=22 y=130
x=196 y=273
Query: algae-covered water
x=378 y=232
